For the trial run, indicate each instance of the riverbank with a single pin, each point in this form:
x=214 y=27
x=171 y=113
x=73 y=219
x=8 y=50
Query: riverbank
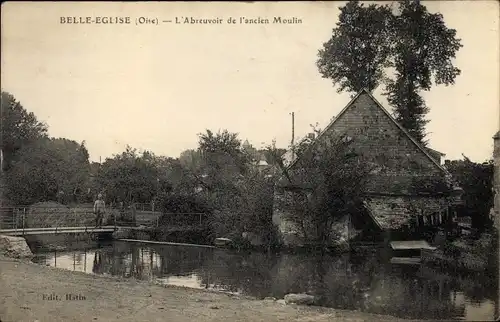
x=31 y=292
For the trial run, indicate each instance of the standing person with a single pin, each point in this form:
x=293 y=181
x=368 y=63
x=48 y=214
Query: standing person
x=99 y=210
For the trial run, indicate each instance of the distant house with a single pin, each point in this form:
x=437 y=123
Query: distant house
x=258 y=158
x=438 y=156
x=398 y=198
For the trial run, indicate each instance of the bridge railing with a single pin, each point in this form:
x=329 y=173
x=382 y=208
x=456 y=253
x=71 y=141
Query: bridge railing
x=22 y=217
x=181 y=219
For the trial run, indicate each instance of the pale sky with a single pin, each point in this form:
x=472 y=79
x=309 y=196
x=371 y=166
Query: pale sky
x=156 y=87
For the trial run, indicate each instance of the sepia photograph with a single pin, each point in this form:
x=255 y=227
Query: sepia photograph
x=250 y=161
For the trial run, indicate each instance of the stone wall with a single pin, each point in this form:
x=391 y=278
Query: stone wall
x=292 y=233
x=15 y=247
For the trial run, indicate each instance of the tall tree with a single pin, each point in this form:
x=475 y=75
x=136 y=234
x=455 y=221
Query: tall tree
x=411 y=42
x=48 y=169
x=19 y=127
x=223 y=156
x=423 y=49
x=357 y=53
x=228 y=181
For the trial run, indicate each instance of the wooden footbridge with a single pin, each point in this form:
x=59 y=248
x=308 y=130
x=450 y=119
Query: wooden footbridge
x=21 y=221
x=60 y=230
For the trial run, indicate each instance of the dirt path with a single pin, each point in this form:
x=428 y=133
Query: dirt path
x=28 y=293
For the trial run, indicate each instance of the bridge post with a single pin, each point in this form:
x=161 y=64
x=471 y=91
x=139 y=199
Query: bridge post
x=16 y=219
x=24 y=215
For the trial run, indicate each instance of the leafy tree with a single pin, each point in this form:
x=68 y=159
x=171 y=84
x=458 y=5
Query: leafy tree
x=48 y=169
x=303 y=145
x=325 y=185
x=476 y=179
x=356 y=55
x=423 y=50
x=190 y=159
x=412 y=42
x=238 y=195
x=223 y=164
x=224 y=141
x=222 y=151
x=216 y=166
x=130 y=177
x=176 y=209
x=75 y=157
x=257 y=193
x=176 y=178
x=19 y=127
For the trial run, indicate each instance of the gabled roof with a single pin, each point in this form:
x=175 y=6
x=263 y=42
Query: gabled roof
x=332 y=123
x=388 y=215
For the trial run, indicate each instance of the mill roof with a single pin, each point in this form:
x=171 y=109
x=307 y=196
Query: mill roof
x=377 y=103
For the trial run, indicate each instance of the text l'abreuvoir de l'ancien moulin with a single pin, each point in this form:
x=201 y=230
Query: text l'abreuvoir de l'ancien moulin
x=238 y=20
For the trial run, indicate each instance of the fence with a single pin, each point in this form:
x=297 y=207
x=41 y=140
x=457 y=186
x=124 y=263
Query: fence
x=144 y=206
x=21 y=217
x=181 y=219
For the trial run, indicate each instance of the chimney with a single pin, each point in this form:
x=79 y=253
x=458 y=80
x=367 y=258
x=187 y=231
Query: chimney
x=311 y=136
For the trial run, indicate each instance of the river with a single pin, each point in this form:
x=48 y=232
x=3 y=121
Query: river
x=345 y=281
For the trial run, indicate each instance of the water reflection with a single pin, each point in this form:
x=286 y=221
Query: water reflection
x=365 y=282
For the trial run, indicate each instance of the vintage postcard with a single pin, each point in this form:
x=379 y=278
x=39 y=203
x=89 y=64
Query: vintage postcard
x=250 y=161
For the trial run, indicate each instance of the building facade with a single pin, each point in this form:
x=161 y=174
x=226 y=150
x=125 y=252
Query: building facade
x=408 y=187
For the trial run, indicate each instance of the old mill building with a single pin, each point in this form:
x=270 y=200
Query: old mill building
x=398 y=199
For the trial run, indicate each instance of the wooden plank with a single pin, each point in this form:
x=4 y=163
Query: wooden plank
x=405 y=260
x=59 y=230
x=411 y=244
x=164 y=243
x=55 y=228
